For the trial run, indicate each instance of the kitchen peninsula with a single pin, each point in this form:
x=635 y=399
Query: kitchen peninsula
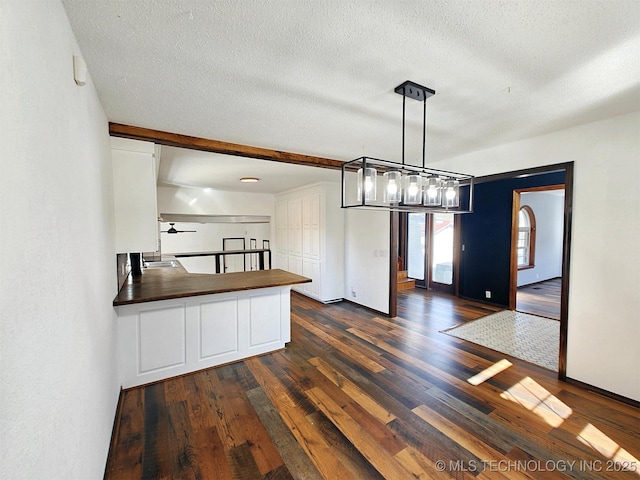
x=171 y=322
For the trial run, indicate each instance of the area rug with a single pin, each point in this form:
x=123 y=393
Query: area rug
x=528 y=337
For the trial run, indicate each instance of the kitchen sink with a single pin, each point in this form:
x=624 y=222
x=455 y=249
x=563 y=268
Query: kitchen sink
x=162 y=264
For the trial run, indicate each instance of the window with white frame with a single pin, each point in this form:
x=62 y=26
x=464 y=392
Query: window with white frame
x=526 y=238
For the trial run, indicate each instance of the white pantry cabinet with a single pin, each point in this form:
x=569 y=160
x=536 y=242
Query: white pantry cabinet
x=310 y=239
x=134 y=195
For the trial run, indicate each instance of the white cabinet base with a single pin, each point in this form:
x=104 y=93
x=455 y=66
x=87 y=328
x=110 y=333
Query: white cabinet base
x=162 y=339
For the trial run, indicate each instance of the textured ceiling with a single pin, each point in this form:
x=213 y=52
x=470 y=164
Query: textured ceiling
x=317 y=77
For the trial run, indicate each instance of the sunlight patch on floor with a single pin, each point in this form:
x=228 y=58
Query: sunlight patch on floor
x=489 y=372
x=534 y=397
x=605 y=446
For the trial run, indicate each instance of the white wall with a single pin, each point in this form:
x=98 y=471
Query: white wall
x=548 y=208
x=604 y=300
x=367 y=258
x=214 y=202
x=209 y=236
x=58 y=382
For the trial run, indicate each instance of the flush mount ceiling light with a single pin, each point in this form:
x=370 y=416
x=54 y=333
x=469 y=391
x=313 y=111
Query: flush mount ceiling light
x=249 y=179
x=406 y=188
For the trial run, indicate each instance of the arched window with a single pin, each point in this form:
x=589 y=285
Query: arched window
x=526 y=238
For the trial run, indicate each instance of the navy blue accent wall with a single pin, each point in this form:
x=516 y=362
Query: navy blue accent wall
x=486 y=236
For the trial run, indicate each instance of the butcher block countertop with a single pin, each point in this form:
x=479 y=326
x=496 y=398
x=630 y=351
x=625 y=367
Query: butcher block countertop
x=168 y=283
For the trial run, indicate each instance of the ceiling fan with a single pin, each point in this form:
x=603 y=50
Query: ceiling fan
x=172 y=229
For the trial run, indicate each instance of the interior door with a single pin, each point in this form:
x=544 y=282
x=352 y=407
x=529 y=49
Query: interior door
x=416 y=257
x=430 y=241
x=441 y=261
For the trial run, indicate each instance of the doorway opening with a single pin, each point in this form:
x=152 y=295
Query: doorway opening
x=480 y=275
x=429 y=250
x=536 y=250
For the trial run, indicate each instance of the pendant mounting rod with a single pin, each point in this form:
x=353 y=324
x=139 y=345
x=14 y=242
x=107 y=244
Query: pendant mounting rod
x=417 y=92
x=414 y=90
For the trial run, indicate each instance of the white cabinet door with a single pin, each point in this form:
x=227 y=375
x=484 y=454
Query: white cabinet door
x=311 y=269
x=295 y=266
x=294 y=217
x=264 y=321
x=282 y=231
x=218 y=329
x=315 y=236
x=162 y=339
x=134 y=194
x=282 y=262
x=311 y=226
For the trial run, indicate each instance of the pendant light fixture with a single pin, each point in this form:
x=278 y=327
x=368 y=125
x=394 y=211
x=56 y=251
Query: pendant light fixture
x=392 y=186
x=433 y=191
x=413 y=189
x=367 y=183
x=451 y=194
x=406 y=188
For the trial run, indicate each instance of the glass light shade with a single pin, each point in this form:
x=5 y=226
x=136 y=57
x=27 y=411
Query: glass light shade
x=433 y=191
x=413 y=190
x=392 y=182
x=451 y=194
x=370 y=186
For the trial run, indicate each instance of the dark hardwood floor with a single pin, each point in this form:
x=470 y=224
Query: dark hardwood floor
x=355 y=395
x=541 y=299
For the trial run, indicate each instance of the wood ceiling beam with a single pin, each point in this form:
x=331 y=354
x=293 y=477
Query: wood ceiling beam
x=217 y=146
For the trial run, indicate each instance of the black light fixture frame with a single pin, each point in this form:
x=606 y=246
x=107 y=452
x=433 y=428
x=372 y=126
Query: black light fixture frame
x=359 y=165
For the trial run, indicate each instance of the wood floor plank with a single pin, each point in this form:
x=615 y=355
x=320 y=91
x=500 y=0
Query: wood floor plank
x=431 y=442
x=461 y=436
x=449 y=353
x=422 y=341
x=542 y=298
x=613 y=414
x=292 y=454
x=230 y=431
x=240 y=373
x=210 y=454
x=181 y=452
x=623 y=435
x=242 y=462
x=286 y=379
x=358 y=396
x=539 y=448
x=357 y=356
x=440 y=376
x=425 y=469
x=265 y=454
x=540 y=473
x=359 y=413
x=126 y=460
x=382 y=460
x=309 y=438
x=156 y=454
x=356 y=466
x=347 y=386
x=280 y=473
x=202 y=407
x=395 y=389
x=176 y=390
